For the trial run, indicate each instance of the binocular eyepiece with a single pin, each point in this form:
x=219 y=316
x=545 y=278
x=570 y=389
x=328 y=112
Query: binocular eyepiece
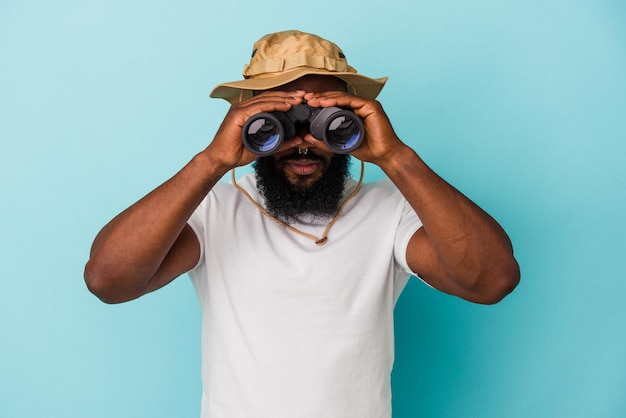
x=341 y=130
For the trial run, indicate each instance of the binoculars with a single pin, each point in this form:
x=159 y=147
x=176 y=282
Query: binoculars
x=341 y=130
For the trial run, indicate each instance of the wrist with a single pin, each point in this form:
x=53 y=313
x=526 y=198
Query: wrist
x=208 y=167
x=400 y=160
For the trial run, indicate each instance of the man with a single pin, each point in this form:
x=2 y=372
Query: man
x=298 y=267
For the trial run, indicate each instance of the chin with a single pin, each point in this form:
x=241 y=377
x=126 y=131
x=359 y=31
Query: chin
x=303 y=183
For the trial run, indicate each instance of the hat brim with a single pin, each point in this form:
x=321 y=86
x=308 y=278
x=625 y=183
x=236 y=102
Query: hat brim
x=236 y=91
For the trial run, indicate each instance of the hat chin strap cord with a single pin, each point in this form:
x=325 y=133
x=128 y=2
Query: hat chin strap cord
x=318 y=240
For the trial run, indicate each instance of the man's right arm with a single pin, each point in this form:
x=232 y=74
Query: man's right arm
x=150 y=244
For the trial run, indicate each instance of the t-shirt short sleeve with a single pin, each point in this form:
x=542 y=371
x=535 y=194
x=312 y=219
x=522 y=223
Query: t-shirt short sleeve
x=197 y=225
x=409 y=224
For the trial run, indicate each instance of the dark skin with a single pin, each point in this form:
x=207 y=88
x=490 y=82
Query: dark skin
x=460 y=249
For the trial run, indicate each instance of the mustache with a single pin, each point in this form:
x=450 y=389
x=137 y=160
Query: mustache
x=295 y=155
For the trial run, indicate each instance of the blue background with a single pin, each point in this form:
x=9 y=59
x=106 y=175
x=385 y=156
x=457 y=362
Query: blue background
x=520 y=104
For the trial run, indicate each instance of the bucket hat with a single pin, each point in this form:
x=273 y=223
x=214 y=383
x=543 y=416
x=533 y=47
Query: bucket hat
x=282 y=57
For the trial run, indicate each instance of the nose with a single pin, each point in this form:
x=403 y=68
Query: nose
x=302 y=136
x=302 y=129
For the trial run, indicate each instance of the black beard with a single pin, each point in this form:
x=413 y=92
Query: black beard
x=288 y=202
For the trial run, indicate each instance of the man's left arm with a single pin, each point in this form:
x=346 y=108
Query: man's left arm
x=460 y=249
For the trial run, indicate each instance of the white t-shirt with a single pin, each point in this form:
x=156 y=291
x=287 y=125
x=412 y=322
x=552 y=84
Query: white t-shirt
x=291 y=329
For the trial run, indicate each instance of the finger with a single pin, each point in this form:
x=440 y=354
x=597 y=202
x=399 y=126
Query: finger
x=334 y=98
x=267 y=102
x=270 y=96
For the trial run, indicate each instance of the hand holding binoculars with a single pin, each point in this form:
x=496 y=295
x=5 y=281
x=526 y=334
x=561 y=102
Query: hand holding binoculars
x=341 y=130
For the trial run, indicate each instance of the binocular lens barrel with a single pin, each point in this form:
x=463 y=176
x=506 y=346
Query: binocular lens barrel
x=344 y=134
x=263 y=134
x=341 y=130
